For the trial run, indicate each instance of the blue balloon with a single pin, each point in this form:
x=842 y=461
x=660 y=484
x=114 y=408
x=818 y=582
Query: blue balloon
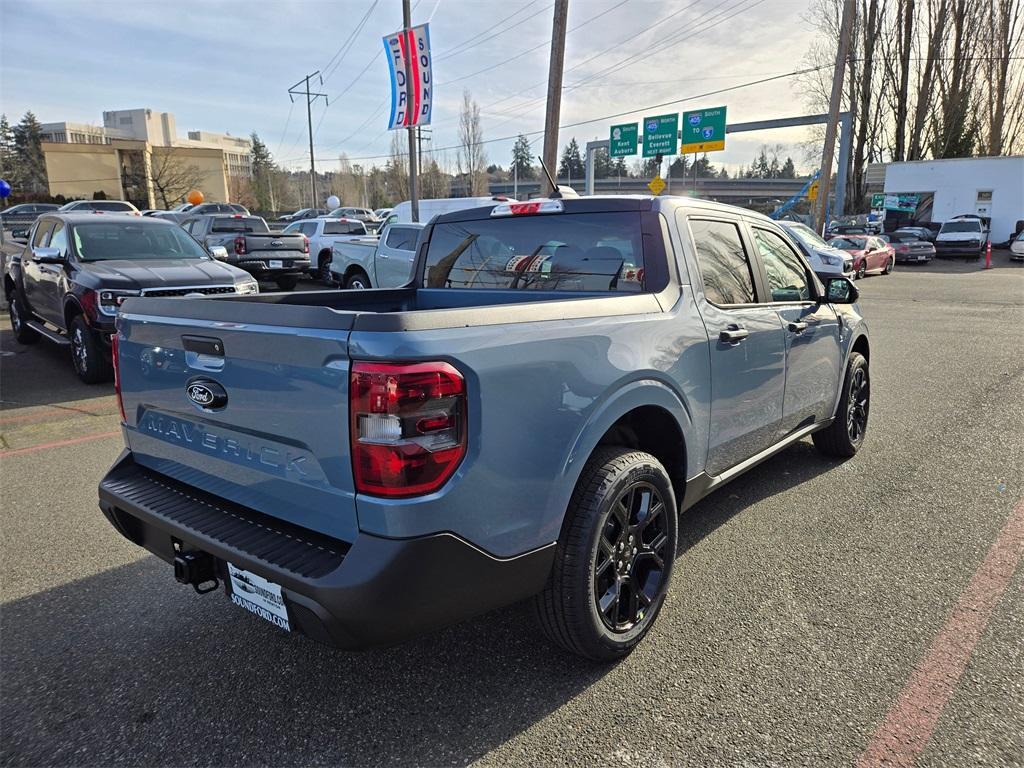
x=5 y=188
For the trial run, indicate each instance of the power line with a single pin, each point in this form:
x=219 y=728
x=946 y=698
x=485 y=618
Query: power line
x=339 y=55
x=474 y=41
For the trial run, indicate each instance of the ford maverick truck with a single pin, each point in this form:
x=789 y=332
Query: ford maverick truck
x=527 y=418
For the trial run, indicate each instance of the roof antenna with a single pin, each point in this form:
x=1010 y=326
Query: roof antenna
x=555 y=193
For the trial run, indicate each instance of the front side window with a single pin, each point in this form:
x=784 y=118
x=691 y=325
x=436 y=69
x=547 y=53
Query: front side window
x=133 y=241
x=42 y=232
x=59 y=238
x=787 y=277
x=724 y=265
x=557 y=252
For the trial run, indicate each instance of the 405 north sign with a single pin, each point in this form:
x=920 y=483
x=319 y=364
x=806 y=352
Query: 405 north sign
x=703 y=131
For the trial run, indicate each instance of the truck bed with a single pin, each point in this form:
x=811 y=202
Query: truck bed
x=400 y=309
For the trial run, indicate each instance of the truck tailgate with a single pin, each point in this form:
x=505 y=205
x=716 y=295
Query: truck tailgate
x=274 y=437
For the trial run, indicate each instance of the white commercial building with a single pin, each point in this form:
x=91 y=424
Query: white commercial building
x=987 y=186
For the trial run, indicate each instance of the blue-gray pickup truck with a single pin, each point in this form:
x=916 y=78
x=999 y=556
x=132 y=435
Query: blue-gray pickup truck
x=525 y=419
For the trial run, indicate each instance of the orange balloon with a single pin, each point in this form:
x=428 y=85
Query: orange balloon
x=195 y=197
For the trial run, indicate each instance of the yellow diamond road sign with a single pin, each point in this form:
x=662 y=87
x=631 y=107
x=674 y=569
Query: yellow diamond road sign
x=656 y=185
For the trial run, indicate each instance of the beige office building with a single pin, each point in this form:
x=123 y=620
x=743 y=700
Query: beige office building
x=134 y=153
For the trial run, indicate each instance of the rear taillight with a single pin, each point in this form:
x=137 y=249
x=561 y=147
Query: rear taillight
x=305 y=244
x=408 y=426
x=902 y=248
x=115 y=359
x=240 y=246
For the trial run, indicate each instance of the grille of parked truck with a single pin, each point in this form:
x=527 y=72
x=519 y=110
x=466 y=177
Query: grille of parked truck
x=527 y=418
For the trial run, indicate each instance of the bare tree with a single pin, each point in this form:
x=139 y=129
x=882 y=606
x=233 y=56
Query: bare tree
x=173 y=178
x=1003 y=129
x=472 y=160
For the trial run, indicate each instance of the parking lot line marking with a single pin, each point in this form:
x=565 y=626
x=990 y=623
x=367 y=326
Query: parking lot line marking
x=57 y=444
x=911 y=720
x=67 y=413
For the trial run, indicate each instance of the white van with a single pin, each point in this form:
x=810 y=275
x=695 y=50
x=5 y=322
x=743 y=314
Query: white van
x=431 y=208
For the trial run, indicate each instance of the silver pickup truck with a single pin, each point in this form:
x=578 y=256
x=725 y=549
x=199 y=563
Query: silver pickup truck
x=323 y=233
x=384 y=261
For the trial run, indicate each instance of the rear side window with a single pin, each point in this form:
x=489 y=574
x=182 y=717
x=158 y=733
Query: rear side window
x=239 y=224
x=724 y=264
x=344 y=228
x=402 y=238
x=99 y=205
x=557 y=252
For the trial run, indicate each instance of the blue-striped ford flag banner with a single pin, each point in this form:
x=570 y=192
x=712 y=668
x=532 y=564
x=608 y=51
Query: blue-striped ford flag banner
x=410 y=106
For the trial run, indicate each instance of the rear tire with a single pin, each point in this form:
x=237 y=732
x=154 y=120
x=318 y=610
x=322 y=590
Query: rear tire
x=357 y=281
x=22 y=333
x=323 y=268
x=844 y=437
x=87 y=353
x=287 y=283
x=613 y=561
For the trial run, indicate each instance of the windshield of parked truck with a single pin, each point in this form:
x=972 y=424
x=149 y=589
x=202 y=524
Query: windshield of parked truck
x=964 y=225
x=101 y=242
x=560 y=251
x=806 y=235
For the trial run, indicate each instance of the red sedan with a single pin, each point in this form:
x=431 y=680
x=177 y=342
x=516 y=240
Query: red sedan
x=870 y=254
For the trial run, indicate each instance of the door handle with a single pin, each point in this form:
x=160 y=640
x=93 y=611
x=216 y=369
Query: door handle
x=798 y=327
x=733 y=334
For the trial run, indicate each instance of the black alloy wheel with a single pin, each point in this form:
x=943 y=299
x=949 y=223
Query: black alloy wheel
x=857 y=406
x=629 y=568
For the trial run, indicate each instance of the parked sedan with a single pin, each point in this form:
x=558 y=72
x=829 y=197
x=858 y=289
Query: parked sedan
x=1017 y=248
x=102 y=206
x=910 y=248
x=870 y=254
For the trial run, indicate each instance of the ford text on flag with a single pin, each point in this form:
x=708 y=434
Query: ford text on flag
x=412 y=99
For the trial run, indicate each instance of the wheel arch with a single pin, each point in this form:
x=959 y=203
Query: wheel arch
x=646 y=415
x=72 y=309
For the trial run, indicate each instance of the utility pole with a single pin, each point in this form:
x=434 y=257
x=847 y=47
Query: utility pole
x=310 y=98
x=555 y=84
x=845 y=32
x=414 y=193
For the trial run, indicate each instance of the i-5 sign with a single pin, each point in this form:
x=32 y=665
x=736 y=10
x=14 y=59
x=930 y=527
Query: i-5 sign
x=703 y=130
x=660 y=134
x=623 y=140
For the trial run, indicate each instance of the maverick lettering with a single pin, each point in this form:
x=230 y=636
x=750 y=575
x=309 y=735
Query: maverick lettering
x=198 y=436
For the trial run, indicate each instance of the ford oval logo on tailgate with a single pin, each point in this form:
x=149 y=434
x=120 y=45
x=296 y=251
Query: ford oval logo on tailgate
x=275 y=243
x=206 y=393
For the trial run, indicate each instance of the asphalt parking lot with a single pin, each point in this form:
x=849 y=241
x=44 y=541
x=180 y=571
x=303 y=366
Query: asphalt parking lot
x=821 y=612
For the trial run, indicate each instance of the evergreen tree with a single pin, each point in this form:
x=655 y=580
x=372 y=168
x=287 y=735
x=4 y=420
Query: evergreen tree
x=723 y=173
x=522 y=161
x=603 y=165
x=8 y=158
x=572 y=164
x=679 y=167
x=703 y=168
x=760 y=168
x=28 y=149
x=262 y=174
x=619 y=168
x=788 y=170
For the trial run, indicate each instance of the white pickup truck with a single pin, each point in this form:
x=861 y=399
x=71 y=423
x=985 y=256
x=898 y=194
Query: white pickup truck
x=384 y=261
x=323 y=233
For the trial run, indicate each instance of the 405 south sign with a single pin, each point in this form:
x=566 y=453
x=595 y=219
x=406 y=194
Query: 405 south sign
x=410 y=106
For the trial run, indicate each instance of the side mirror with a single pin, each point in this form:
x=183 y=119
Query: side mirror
x=47 y=256
x=219 y=252
x=20 y=236
x=841 y=290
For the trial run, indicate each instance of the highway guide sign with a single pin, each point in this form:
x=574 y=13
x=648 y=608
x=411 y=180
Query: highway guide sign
x=623 y=140
x=660 y=134
x=703 y=130
x=410 y=106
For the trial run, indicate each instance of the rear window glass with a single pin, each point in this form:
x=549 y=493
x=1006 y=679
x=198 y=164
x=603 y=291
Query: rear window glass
x=241 y=224
x=344 y=228
x=103 y=206
x=556 y=252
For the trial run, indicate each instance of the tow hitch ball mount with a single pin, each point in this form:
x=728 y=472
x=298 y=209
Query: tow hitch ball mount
x=196 y=568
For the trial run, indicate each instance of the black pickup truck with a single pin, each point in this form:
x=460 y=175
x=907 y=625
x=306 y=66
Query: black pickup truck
x=251 y=245
x=78 y=268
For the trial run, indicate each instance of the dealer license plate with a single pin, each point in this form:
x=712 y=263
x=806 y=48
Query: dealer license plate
x=275 y=263
x=259 y=596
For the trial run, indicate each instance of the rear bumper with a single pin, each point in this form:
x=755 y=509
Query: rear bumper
x=373 y=591
x=259 y=268
x=913 y=257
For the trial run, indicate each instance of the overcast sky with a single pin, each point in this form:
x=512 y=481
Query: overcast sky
x=226 y=66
